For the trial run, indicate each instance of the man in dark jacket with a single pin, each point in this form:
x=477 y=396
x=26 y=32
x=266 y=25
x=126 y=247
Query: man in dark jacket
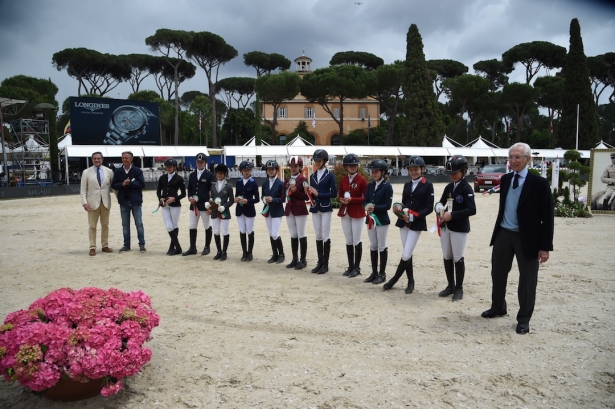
x=523 y=230
x=128 y=181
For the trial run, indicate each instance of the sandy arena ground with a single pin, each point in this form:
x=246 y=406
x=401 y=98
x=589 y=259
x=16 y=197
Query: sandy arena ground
x=244 y=335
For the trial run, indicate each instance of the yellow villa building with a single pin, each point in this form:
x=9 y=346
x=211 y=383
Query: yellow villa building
x=357 y=114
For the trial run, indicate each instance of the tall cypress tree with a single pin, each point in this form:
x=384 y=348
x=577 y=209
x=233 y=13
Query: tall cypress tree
x=577 y=91
x=424 y=125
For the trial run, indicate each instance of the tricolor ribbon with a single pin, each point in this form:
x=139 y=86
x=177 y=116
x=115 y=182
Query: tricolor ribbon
x=306 y=187
x=438 y=223
x=159 y=206
x=265 y=210
x=372 y=220
x=196 y=210
x=492 y=190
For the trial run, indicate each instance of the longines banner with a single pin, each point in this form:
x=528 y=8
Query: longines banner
x=103 y=121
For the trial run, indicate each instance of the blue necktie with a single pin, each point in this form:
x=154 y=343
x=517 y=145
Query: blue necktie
x=98 y=177
x=516 y=181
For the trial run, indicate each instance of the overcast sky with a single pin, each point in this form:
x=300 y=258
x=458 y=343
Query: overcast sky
x=31 y=31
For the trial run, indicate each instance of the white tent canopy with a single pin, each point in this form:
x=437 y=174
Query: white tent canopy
x=604 y=145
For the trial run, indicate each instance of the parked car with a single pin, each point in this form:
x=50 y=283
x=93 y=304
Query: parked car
x=488 y=177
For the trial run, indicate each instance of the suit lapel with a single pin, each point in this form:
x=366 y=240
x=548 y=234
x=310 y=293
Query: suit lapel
x=527 y=188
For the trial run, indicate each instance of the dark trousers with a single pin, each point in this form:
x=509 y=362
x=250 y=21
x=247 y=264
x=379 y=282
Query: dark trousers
x=507 y=244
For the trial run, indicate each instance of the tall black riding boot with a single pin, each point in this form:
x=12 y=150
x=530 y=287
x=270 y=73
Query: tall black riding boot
x=374 y=258
x=274 y=251
x=350 y=255
x=192 y=249
x=171 y=250
x=326 y=251
x=280 y=247
x=358 y=253
x=319 y=250
x=449 y=269
x=244 y=246
x=460 y=272
x=218 y=247
x=410 y=274
x=401 y=267
x=382 y=276
x=225 y=246
x=294 y=245
x=605 y=204
x=208 y=234
x=303 y=246
x=250 y=246
x=175 y=240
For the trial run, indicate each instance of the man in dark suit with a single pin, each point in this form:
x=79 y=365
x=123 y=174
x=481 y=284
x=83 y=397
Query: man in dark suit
x=128 y=181
x=523 y=229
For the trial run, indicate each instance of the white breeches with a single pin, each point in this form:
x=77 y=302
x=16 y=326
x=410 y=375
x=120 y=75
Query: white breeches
x=322 y=225
x=170 y=216
x=220 y=226
x=453 y=244
x=409 y=238
x=194 y=220
x=296 y=225
x=246 y=224
x=273 y=225
x=353 y=228
x=378 y=237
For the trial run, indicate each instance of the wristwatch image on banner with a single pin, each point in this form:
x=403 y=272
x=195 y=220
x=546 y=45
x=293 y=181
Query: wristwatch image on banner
x=128 y=122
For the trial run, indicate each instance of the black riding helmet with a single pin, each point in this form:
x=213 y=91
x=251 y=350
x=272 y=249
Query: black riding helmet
x=350 y=159
x=272 y=164
x=455 y=163
x=414 y=161
x=321 y=154
x=245 y=165
x=379 y=164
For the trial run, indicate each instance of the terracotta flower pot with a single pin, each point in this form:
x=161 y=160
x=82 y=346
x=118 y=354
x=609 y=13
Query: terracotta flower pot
x=67 y=390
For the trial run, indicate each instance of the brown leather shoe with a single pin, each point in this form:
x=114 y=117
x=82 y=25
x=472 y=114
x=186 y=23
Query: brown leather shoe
x=107 y=250
x=92 y=252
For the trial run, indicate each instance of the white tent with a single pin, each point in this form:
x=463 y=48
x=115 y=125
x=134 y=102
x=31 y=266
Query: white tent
x=298 y=141
x=449 y=143
x=603 y=145
x=65 y=141
x=480 y=143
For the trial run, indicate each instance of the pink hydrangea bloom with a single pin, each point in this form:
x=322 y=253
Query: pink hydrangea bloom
x=84 y=334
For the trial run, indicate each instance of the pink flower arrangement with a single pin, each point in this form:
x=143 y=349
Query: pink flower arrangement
x=86 y=334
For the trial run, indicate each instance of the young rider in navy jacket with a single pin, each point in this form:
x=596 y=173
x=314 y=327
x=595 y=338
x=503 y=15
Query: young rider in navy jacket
x=199 y=187
x=323 y=189
x=378 y=200
x=418 y=199
x=456 y=205
x=272 y=198
x=246 y=195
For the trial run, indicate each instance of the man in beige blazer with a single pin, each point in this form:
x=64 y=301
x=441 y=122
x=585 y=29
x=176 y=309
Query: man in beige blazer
x=96 y=200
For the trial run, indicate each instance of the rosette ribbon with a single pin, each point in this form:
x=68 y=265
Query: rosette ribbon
x=160 y=204
x=345 y=207
x=400 y=211
x=306 y=187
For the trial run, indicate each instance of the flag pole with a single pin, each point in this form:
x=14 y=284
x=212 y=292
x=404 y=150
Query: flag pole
x=577 y=144
x=200 y=132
